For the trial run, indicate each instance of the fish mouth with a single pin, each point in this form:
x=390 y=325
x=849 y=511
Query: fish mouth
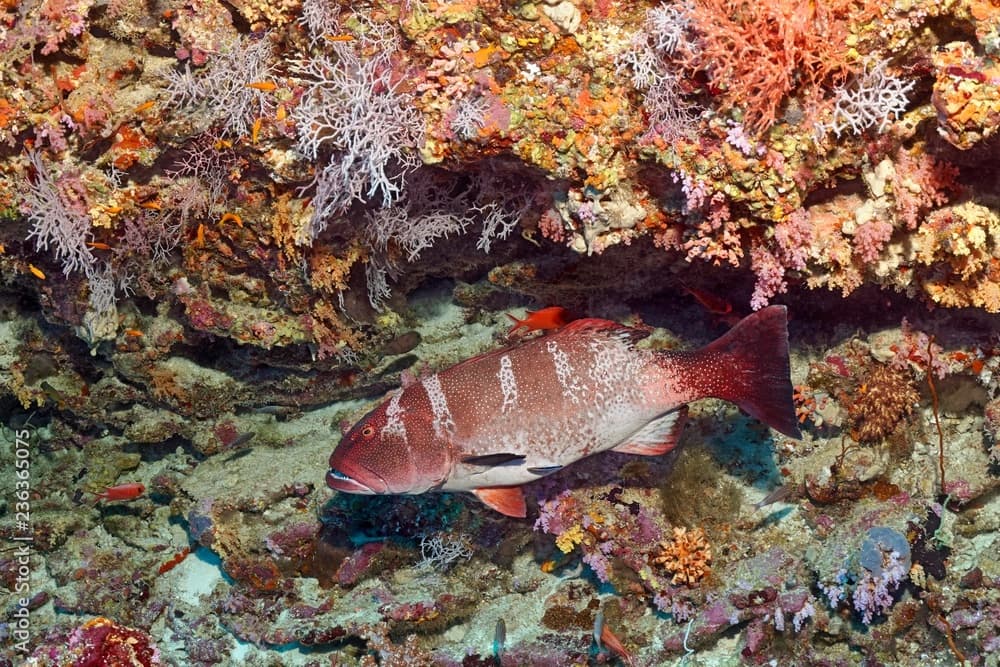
x=338 y=481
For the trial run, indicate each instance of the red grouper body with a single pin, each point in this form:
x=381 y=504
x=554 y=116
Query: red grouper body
x=496 y=421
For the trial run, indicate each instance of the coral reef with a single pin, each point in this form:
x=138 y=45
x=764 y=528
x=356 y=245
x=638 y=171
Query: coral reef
x=229 y=228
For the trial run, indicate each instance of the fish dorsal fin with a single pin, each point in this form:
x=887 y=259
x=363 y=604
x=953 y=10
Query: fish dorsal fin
x=586 y=327
x=508 y=500
x=658 y=436
x=607 y=328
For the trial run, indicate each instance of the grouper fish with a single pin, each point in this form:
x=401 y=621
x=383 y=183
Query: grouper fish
x=499 y=420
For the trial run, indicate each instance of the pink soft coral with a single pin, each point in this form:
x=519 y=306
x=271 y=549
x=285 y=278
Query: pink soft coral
x=921 y=183
x=794 y=236
x=870 y=238
x=64 y=18
x=770 y=275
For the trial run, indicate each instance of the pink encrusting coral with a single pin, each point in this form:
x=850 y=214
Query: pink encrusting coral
x=101 y=641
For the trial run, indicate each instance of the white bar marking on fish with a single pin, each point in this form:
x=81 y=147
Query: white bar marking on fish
x=508 y=384
x=394 y=424
x=571 y=389
x=617 y=396
x=443 y=423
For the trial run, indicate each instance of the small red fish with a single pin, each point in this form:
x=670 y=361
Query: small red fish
x=711 y=302
x=610 y=641
x=122 y=492
x=545 y=319
x=506 y=418
x=721 y=310
x=175 y=561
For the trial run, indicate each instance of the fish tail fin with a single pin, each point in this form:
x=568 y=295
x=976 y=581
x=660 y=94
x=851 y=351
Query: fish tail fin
x=517 y=323
x=748 y=366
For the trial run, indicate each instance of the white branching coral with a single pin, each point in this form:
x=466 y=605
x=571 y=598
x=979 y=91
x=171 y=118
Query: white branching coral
x=354 y=117
x=871 y=100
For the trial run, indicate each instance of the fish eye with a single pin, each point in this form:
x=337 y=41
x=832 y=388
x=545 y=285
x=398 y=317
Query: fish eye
x=368 y=431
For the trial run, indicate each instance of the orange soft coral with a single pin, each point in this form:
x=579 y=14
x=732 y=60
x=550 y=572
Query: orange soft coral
x=687 y=557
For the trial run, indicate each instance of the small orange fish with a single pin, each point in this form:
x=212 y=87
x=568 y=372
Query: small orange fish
x=265 y=86
x=199 y=237
x=554 y=317
x=37 y=272
x=231 y=217
x=134 y=333
x=152 y=205
x=145 y=106
x=255 y=130
x=97 y=245
x=339 y=38
x=122 y=492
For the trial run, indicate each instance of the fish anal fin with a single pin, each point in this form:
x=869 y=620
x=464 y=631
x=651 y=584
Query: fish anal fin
x=658 y=436
x=508 y=500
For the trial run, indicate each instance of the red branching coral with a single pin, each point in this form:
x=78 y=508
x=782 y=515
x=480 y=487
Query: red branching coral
x=760 y=52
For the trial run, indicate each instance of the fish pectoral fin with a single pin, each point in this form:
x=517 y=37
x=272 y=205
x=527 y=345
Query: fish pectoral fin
x=658 y=436
x=508 y=500
x=544 y=470
x=503 y=458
